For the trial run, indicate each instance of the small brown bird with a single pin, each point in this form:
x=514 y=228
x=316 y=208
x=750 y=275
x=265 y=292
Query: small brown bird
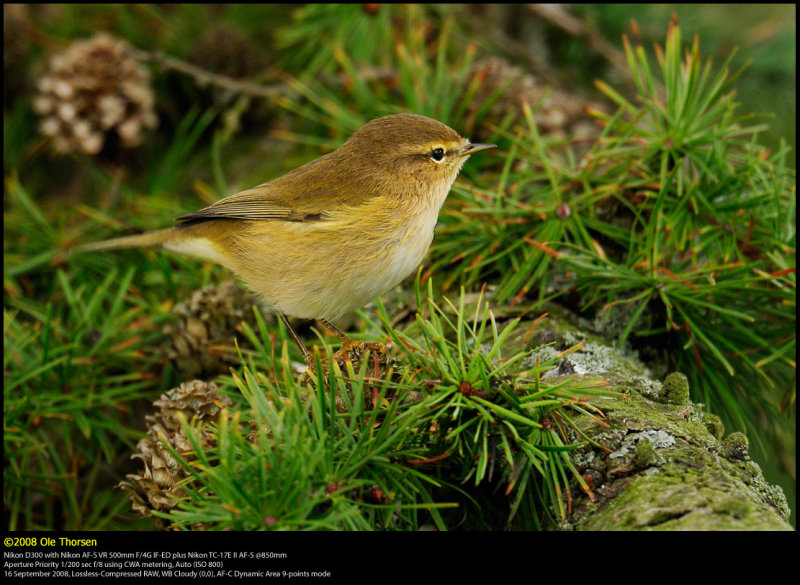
x=337 y=232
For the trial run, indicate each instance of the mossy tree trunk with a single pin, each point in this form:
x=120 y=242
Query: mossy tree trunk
x=660 y=462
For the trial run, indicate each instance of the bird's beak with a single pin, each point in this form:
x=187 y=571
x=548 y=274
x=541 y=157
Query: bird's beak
x=473 y=148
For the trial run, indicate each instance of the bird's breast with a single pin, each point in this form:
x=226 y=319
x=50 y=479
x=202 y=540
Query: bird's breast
x=408 y=246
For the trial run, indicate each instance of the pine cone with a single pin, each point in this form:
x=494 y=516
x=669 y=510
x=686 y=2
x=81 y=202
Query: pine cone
x=89 y=91
x=229 y=52
x=206 y=324
x=559 y=114
x=159 y=485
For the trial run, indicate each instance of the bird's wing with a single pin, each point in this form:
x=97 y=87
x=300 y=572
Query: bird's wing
x=301 y=195
x=256 y=204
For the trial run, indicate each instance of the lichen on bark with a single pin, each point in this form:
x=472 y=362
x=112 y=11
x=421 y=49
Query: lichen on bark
x=662 y=462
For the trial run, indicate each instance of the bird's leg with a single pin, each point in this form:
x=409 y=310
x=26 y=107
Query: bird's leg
x=348 y=343
x=307 y=356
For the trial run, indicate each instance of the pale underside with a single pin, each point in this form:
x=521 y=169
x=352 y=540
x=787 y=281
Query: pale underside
x=323 y=268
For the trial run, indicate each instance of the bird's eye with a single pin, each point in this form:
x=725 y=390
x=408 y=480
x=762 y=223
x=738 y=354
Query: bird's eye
x=437 y=154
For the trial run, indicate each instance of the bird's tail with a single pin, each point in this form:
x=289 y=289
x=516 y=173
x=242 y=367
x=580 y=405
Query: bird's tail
x=144 y=240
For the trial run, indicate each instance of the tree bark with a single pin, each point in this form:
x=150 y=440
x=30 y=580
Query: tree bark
x=662 y=462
